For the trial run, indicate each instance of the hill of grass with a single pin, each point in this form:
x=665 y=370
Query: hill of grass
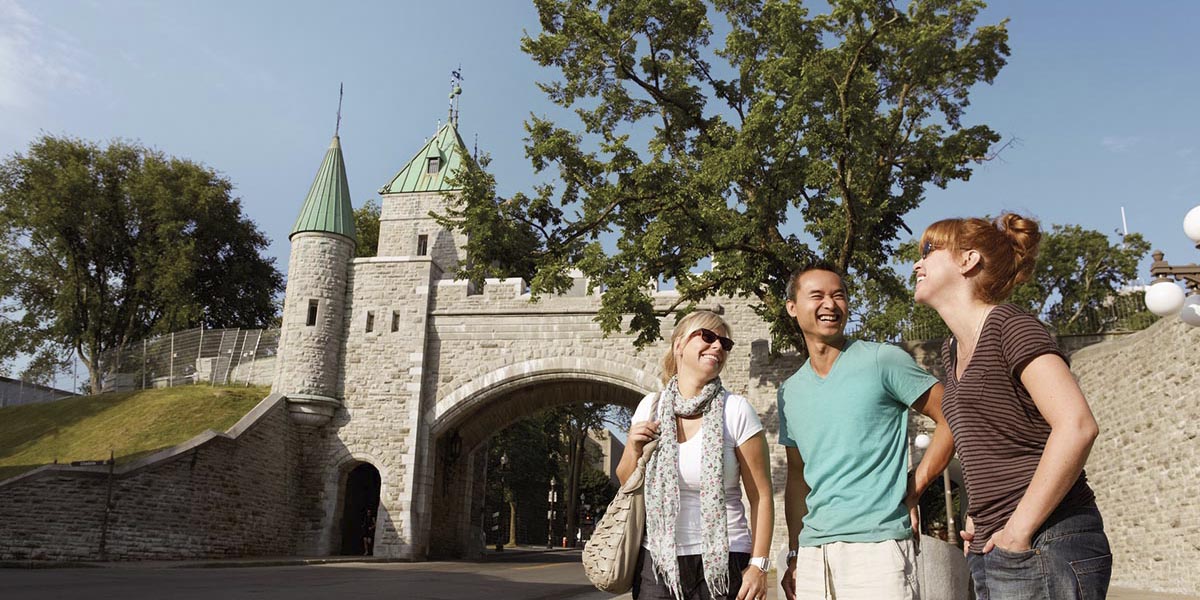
x=131 y=424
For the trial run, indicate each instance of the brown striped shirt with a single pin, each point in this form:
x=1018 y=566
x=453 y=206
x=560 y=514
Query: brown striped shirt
x=999 y=434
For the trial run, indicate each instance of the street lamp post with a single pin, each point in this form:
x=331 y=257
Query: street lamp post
x=551 y=498
x=1164 y=298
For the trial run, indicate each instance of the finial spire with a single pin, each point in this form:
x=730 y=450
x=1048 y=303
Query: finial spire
x=337 y=128
x=456 y=79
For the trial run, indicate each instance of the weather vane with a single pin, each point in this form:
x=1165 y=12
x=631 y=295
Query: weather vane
x=456 y=80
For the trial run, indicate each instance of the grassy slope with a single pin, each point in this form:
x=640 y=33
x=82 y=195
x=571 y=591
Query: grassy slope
x=132 y=424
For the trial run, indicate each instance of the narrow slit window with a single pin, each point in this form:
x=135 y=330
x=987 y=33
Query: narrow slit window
x=312 y=313
x=395 y=321
x=433 y=165
x=422 y=245
x=370 y=321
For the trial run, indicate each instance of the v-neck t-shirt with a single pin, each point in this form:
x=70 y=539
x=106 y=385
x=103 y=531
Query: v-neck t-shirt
x=851 y=428
x=999 y=433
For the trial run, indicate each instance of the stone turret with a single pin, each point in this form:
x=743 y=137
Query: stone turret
x=313 y=323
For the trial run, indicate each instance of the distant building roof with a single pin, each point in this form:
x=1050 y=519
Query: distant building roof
x=327 y=207
x=449 y=150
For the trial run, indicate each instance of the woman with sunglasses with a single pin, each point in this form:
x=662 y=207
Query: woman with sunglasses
x=1021 y=425
x=698 y=544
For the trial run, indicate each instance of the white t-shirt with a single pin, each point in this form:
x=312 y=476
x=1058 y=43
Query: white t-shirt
x=741 y=423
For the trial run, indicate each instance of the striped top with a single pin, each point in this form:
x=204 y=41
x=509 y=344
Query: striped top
x=999 y=433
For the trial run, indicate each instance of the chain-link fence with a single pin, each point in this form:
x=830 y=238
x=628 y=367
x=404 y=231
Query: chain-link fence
x=196 y=356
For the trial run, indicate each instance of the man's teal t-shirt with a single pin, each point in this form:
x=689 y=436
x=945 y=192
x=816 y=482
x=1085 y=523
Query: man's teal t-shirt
x=851 y=428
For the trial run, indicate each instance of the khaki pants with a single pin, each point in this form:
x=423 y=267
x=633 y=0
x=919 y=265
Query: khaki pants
x=858 y=571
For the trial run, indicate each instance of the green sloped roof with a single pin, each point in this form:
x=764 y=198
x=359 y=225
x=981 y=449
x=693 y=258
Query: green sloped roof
x=327 y=207
x=447 y=146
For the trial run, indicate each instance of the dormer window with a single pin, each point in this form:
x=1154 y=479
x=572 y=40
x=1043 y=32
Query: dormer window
x=433 y=165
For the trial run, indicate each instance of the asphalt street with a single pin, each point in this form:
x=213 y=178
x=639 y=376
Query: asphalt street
x=517 y=575
x=555 y=576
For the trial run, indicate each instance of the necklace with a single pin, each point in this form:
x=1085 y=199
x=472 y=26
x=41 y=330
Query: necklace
x=964 y=357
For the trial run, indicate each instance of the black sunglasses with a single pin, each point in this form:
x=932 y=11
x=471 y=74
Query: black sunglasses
x=926 y=248
x=708 y=336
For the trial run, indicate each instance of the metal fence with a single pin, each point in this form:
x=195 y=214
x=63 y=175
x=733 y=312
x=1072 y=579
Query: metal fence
x=196 y=356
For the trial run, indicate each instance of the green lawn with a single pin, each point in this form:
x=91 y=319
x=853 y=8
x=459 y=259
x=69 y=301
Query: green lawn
x=131 y=424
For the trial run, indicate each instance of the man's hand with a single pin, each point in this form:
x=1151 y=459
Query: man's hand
x=913 y=501
x=788 y=582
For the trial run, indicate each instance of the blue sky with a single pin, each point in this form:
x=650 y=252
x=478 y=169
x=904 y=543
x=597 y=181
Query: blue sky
x=1100 y=96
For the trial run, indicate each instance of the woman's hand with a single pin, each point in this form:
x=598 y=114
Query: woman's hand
x=1008 y=541
x=968 y=535
x=640 y=434
x=754 y=584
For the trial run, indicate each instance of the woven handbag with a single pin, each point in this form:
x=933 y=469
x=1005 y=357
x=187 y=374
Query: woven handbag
x=610 y=556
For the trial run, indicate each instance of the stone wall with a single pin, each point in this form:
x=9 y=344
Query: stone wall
x=1145 y=392
x=404 y=217
x=218 y=495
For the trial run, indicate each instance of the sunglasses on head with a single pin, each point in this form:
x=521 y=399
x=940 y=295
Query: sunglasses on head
x=926 y=248
x=708 y=337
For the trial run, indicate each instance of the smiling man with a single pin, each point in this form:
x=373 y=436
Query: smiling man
x=843 y=421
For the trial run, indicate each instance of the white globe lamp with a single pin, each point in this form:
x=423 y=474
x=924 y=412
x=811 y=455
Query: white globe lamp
x=1191 y=224
x=1164 y=298
x=921 y=441
x=1190 y=313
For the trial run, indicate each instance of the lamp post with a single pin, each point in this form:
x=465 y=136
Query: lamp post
x=1164 y=298
x=551 y=498
x=512 y=503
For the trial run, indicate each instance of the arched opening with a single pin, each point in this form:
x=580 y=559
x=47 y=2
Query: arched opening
x=360 y=510
x=466 y=514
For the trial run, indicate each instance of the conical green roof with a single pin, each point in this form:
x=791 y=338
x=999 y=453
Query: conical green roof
x=327 y=207
x=448 y=148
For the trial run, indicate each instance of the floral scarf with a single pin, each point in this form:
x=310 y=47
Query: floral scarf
x=662 y=487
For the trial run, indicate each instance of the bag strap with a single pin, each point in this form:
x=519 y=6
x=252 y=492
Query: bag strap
x=652 y=445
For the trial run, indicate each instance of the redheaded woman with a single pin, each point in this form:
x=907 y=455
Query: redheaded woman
x=1021 y=425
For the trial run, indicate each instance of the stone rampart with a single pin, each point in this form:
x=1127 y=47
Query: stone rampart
x=1145 y=392
x=217 y=495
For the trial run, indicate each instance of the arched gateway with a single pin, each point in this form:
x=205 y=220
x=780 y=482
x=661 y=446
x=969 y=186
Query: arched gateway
x=389 y=361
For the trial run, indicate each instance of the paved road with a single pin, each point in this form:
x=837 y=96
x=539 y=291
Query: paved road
x=556 y=576
x=516 y=575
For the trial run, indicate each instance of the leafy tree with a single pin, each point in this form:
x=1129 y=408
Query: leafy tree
x=366 y=228
x=101 y=246
x=1075 y=287
x=1079 y=272
x=574 y=421
x=689 y=151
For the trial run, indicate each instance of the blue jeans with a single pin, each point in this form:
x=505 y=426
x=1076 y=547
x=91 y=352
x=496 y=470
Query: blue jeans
x=1070 y=558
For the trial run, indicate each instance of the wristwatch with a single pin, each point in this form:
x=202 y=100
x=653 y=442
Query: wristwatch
x=791 y=555
x=762 y=562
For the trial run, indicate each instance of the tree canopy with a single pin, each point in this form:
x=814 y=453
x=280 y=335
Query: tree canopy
x=101 y=246
x=1075 y=286
x=800 y=136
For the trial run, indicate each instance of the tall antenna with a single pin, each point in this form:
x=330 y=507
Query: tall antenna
x=338 y=127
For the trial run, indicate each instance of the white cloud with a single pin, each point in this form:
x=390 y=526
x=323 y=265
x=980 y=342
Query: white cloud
x=1118 y=144
x=35 y=59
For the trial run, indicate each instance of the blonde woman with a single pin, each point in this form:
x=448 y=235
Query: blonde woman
x=698 y=543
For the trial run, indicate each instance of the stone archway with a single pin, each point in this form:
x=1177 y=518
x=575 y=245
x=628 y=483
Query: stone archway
x=460 y=447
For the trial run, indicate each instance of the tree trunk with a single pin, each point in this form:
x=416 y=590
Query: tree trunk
x=512 y=524
x=572 y=490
